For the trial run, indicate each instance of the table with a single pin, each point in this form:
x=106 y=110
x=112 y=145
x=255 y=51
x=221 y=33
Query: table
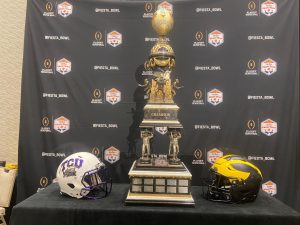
x=48 y=207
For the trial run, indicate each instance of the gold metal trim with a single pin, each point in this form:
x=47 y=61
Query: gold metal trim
x=159 y=173
x=161 y=121
x=152 y=106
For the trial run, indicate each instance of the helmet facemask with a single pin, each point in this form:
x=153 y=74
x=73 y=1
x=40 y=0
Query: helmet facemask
x=97 y=183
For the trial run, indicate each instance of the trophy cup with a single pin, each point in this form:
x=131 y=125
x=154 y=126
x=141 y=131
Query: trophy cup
x=162 y=179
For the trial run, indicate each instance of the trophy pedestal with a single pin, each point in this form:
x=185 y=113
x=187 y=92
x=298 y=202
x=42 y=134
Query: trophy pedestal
x=159 y=183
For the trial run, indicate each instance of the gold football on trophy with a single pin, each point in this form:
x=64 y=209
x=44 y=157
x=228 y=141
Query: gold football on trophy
x=162 y=22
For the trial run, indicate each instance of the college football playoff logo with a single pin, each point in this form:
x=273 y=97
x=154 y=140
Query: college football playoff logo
x=63 y=66
x=213 y=155
x=49 y=7
x=198 y=154
x=113 y=96
x=112 y=154
x=215 y=97
x=216 y=38
x=114 y=38
x=268 y=67
x=96 y=151
x=64 y=9
x=251 y=6
x=44 y=182
x=268 y=127
x=268 y=8
x=251 y=124
x=270 y=187
x=61 y=124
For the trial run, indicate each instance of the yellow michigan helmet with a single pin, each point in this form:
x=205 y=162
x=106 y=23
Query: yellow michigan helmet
x=233 y=179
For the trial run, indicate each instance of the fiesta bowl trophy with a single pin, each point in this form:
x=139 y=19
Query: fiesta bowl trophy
x=160 y=179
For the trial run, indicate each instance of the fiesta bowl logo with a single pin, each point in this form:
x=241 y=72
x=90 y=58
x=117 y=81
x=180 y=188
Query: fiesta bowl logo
x=162 y=130
x=166 y=6
x=215 y=97
x=268 y=67
x=61 y=124
x=114 y=38
x=268 y=127
x=112 y=154
x=64 y=9
x=113 y=96
x=63 y=66
x=213 y=155
x=216 y=38
x=268 y=8
x=270 y=187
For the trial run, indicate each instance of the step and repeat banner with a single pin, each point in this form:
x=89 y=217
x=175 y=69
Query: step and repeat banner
x=238 y=61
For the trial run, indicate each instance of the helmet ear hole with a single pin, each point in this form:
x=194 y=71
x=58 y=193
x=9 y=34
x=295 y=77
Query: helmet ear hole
x=71 y=185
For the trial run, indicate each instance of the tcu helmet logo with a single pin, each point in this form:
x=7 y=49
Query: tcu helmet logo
x=114 y=38
x=213 y=155
x=113 y=96
x=112 y=155
x=216 y=38
x=161 y=130
x=270 y=187
x=268 y=8
x=63 y=66
x=268 y=67
x=61 y=124
x=268 y=127
x=64 y=9
x=68 y=167
x=215 y=97
x=167 y=6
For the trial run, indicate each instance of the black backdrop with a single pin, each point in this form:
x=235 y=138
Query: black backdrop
x=238 y=61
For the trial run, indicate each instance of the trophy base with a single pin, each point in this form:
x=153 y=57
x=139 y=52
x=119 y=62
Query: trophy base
x=159 y=199
x=159 y=185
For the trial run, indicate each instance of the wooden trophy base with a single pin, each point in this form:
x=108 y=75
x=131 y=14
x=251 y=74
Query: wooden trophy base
x=159 y=185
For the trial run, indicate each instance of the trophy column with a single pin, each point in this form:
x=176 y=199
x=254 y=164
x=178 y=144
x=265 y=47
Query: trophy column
x=160 y=179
